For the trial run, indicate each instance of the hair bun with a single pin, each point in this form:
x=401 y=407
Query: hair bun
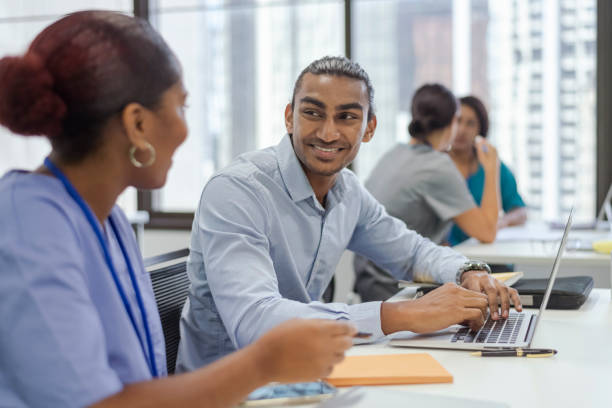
x=28 y=103
x=430 y=123
x=416 y=128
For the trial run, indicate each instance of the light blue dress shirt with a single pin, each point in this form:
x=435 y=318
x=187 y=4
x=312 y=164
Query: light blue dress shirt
x=263 y=250
x=66 y=339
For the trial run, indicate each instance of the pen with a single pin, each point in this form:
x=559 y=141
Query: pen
x=362 y=335
x=519 y=352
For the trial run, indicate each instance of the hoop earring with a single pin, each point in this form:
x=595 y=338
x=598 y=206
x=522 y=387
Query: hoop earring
x=135 y=161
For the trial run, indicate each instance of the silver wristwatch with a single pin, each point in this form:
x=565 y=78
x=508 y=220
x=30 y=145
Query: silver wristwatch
x=471 y=266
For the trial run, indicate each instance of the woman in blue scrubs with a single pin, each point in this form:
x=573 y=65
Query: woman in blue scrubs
x=474 y=121
x=80 y=322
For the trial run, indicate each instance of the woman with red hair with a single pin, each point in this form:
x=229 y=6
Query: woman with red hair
x=78 y=304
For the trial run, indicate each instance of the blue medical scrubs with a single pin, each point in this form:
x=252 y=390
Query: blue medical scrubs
x=510 y=197
x=66 y=339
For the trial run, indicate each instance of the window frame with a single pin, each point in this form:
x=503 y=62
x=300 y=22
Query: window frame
x=164 y=220
x=144 y=199
x=183 y=220
x=603 y=92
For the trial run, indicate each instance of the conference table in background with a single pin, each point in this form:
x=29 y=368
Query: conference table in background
x=580 y=375
x=532 y=249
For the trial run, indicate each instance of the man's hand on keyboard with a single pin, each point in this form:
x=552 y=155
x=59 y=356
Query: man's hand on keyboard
x=496 y=291
x=447 y=305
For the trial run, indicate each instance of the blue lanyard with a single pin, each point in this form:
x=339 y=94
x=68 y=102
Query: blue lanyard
x=96 y=227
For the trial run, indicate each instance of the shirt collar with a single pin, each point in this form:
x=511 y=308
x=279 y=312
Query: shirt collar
x=295 y=179
x=291 y=171
x=420 y=147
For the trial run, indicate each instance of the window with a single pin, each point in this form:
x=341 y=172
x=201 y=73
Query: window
x=479 y=47
x=536 y=54
x=20 y=22
x=240 y=60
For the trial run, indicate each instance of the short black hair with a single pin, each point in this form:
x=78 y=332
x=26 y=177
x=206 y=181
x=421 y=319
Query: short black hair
x=480 y=110
x=337 y=66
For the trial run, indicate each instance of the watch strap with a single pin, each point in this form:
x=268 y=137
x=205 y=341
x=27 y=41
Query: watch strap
x=471 y=265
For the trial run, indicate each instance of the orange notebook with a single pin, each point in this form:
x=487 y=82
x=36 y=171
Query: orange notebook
x=389 y=369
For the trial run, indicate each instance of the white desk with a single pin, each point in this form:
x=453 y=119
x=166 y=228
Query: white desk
x=533 y=249
x=580 y=375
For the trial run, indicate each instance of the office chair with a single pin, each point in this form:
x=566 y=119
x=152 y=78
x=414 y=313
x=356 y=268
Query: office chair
x=170 y=285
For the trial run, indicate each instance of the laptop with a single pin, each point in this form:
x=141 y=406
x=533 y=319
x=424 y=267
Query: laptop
x=517 y=330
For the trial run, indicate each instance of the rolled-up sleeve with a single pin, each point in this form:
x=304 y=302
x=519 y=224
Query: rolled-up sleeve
x=404 y=253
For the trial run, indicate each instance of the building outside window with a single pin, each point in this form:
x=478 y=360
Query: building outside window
x=531 y=61
x=20 y=22
x=240 y=59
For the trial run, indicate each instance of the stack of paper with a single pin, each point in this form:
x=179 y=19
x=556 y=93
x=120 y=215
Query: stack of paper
x=509 y=278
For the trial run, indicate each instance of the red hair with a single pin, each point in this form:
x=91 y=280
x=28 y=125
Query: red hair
x=80 y=71
x=28 y=104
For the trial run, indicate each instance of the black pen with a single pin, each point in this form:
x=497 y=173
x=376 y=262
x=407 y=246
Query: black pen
x=362 y=335
x=518 y=352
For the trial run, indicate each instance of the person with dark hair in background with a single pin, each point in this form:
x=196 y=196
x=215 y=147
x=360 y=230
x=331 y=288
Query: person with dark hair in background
x=80 y=322
x=474 y=121
x=271 y=227
x=419 y=184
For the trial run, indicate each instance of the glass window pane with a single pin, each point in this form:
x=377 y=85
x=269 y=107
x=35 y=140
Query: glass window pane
x=51 y=10
x=541 y=69
x=20 y=22
x=240 y=60
x=394 y=45
x=531 y=62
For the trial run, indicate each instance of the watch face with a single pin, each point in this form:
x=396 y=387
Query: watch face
x=474 y=265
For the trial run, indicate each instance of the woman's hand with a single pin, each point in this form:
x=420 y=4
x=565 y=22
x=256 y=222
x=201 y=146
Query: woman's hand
x=304 y=349
x=486 y=153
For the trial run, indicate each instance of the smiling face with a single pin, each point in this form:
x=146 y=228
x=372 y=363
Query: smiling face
x=328 y=123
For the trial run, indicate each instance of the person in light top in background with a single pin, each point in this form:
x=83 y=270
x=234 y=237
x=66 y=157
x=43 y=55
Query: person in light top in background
x=80 y=322
x=420 y=185
x=474 y=121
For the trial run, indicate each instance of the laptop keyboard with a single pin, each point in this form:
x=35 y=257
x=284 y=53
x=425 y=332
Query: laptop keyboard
x=493 y=331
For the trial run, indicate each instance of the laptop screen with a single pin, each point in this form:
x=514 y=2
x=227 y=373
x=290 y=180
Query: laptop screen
x=553 y=273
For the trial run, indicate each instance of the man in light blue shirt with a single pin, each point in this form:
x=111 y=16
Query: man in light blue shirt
x=271 y=227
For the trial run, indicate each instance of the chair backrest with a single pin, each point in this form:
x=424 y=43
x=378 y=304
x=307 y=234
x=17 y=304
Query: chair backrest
x=170 y=285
